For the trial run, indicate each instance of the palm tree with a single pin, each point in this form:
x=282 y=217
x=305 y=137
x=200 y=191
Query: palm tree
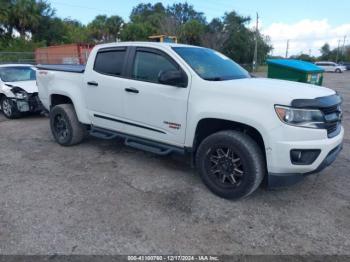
x=113 y=26
x=25 y=15
x=5 y=28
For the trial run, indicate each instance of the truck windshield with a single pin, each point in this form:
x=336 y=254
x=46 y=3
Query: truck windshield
x=16 y=73
x=211 y=65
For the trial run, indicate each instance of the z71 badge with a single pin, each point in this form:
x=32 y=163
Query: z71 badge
x=172 y=125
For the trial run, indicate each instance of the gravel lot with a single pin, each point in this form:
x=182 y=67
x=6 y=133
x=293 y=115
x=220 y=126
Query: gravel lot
x=104 y=198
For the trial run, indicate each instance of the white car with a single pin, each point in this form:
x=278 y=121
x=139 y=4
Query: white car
x=331 y=67
x=171 y=98
x=18 y=90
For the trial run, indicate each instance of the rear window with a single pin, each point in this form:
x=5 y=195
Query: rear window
x=110 y=62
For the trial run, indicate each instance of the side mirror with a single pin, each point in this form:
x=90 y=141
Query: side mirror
x=173 y=78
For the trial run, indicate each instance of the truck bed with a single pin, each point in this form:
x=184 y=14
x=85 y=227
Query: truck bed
x=63 y=68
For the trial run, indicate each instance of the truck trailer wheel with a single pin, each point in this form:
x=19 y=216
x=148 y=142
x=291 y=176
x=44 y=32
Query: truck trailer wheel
x=230 y=164
x=65 y=126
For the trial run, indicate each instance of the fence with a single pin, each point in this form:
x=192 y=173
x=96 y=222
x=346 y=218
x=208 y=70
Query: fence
x=43 y=57
x=17 y=57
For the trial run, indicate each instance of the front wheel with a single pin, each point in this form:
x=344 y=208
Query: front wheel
x=338 y=71
x=8 y=109
x=65 y=126
x=231 y=164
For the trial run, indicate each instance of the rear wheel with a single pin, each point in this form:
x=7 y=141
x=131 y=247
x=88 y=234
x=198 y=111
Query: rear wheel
x=65 y=126
x=8 y=108
x=231 y=164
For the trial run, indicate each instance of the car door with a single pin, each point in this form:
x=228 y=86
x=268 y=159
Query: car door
x=155 y=111
x=331 y=67
x=104 y=88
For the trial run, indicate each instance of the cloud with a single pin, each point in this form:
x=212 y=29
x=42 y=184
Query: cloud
x=305 y=36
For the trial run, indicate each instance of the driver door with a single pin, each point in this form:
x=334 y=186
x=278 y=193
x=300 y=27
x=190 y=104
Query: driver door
x=153 y=110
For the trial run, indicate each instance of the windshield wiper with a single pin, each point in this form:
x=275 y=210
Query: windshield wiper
x=214 y=78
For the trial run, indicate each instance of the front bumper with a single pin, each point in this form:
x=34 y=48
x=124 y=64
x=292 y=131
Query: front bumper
x=281 y=171
x=285 y=179
x=32 y=104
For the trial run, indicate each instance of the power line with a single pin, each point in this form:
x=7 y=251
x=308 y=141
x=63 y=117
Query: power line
x=306 y=39
x=80 y=6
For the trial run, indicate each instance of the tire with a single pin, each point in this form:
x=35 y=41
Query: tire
x=240 y=157
x=8 y=109
x=65 y=126
x=338 y=71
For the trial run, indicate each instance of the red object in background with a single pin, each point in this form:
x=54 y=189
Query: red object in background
x=63 y=54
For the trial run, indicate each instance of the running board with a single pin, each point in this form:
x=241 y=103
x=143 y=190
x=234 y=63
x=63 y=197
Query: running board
x=136 y=142
x=102 y=133
x=148 y=146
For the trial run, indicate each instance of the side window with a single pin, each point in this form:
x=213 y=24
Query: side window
x=148 y=66
x=110 y=62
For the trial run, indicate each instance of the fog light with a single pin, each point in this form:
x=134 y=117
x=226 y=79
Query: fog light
x=304 y=156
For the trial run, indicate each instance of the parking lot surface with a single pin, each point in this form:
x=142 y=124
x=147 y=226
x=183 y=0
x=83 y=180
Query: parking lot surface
x=102 y=197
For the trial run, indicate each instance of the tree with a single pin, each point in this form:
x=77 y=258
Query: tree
x=215 y=35
x=97 y=28
x=25 y=15
x=136 y=32
x=113 y=26
x=191 y=32
x=105 y=29
x=50 y=30
x=304 y=57
x=148 y=14
x=183 y=12
x=5 y=28
x=239 y=40
x=145 y=20
x=239 y=44
x=325 y=51
x=75 y=32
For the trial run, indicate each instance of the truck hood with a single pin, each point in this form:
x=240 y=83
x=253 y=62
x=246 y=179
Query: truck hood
x=276 y=91
x=28 y=86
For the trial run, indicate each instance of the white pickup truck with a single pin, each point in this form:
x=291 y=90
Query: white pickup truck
x=167 y=98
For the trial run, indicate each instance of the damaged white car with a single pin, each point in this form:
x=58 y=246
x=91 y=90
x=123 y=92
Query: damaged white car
x=18 y=90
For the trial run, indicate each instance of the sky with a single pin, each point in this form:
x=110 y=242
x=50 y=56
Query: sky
x=307 y=24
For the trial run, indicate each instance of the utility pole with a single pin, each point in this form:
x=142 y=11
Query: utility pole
x=287 y=49
x=343 y=49
x=255 y=59
x=336 y=60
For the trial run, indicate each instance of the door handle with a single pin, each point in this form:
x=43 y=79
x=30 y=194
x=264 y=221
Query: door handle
x=92 y=83
x=132 y=90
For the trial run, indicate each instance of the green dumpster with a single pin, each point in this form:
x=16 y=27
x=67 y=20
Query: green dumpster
x=295 y=70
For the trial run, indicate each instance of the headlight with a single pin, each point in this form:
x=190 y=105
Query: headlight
x=311 y=118
x=21 y=95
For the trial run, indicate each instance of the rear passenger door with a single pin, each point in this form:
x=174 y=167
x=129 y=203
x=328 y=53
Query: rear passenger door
x=330 y=67
x=153 y=110
x=104 y=88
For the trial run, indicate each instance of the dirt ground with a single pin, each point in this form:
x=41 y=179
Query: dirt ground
x=104 y=198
